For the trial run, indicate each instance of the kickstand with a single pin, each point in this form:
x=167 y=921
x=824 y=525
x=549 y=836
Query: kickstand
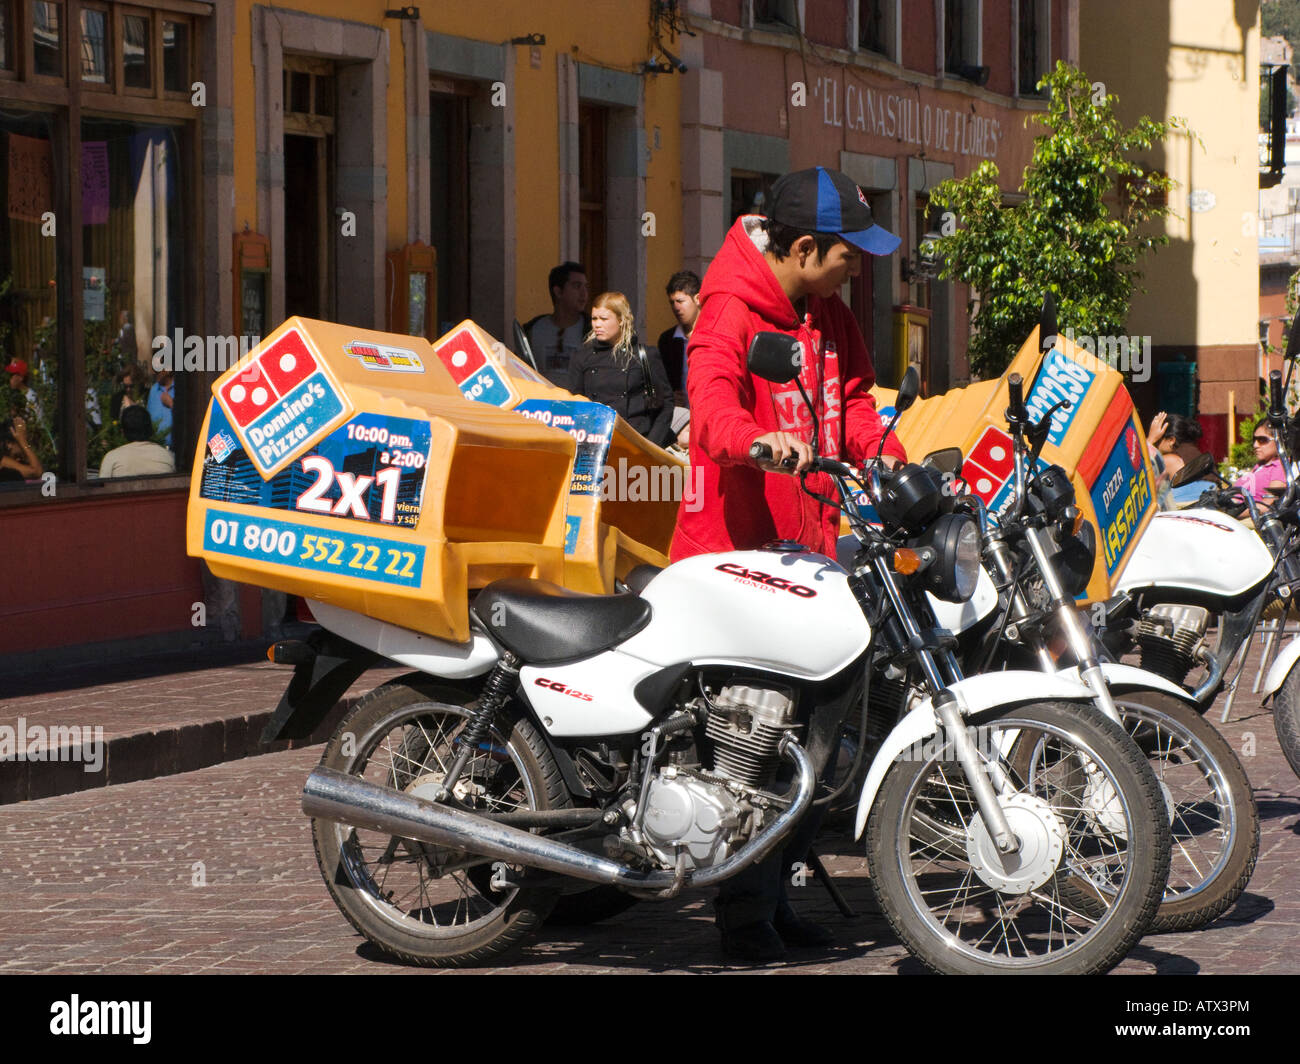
x=824 y=878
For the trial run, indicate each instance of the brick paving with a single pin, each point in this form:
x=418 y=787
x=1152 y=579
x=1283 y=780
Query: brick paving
x=104 y=881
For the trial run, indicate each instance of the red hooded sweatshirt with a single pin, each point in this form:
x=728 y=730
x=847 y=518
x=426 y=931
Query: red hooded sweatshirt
x=734 y=504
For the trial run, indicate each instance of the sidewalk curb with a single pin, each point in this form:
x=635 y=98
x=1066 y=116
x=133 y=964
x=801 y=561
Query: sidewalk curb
x=148 y=755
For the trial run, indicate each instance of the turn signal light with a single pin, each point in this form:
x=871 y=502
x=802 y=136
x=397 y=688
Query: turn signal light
x=906 y=561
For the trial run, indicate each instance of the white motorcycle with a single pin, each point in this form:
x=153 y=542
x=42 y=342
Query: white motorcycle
x=644 y=744
x=1195 y=567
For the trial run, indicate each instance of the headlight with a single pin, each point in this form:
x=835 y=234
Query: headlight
x=955 y=540
x=912 y=496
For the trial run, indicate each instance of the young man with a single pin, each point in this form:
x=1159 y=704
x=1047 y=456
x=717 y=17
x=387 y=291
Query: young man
x=556 y=337
x=780 y=273
x=684 y=298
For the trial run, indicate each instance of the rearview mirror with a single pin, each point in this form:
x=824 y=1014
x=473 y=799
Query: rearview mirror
x=945 y=460
x=908 y=390
x=775 y=357
x=1047 y=324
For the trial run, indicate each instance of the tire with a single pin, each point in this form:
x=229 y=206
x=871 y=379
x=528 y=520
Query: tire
x=1214 y=819
x=407 y=897
x=919 y=843
x=1286 y=718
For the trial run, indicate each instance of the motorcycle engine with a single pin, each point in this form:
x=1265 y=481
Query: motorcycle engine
x=707 y=815
x=1168 y=637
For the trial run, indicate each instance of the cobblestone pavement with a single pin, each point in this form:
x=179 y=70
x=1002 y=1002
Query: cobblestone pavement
x=105 y=881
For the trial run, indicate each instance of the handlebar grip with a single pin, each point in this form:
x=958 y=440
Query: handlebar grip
x=760 y=451
x=1016 y=391
x=1275 y=407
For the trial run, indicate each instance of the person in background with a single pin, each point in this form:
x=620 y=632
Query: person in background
x=556 y=337
x=17 y=372
x=614 y=369
x=139 y=456
x=1173 y=439
x=123 y=390
x=1267 y=471
x=684 y=298
x=18 y=462
x=161 y=397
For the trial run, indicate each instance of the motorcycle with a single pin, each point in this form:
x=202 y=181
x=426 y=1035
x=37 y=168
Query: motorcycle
x=649 y=743
x=1043 y=552
x=1197 y=567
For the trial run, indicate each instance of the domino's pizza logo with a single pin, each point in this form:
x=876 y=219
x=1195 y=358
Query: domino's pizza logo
x=475 y=376
x=1131 y=442
x=281 y=402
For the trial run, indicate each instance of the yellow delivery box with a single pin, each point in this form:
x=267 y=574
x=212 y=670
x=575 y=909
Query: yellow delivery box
x=1097 y=438
x=347 y=465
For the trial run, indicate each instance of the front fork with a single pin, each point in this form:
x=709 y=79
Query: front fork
x=1067 y=615
x=947 y=707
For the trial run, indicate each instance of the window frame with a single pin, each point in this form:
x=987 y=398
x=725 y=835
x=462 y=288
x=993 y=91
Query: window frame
x=121 y=12
x=30 y=74
x=107 y=85
x=893 y=24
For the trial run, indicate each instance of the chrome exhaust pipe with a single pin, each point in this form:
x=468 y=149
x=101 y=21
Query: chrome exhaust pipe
x=333 y=795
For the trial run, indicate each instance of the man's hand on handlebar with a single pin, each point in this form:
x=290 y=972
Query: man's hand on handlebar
x=789 y=454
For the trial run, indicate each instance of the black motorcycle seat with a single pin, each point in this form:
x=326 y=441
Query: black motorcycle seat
x=544 y=624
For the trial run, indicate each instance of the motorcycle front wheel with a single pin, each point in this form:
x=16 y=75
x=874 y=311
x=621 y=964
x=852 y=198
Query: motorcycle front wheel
x=421 y=903
x=1085 y=807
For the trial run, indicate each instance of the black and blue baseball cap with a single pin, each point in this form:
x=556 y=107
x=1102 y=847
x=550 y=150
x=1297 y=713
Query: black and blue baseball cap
x=827 y=201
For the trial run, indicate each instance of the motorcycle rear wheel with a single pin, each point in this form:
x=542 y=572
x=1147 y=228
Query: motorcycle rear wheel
x=1286 y=717
x=1215 y=822
x=933 y=882
x=420 y=903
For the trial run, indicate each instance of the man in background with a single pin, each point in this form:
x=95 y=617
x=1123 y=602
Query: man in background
x=684 y=299
x=139 y=456
x=556 y=337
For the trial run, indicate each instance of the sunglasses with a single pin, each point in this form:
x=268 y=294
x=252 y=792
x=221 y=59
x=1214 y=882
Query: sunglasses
x=1263 y=439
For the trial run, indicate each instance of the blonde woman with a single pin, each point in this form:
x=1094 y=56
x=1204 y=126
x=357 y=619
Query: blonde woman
x=614 y=369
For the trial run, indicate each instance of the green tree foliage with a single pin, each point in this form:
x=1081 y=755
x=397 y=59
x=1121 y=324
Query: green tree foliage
x=1281 y=18
x=1079 y=232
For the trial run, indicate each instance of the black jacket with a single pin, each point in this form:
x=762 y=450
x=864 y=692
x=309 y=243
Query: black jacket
x=672 y=349
x=593 y=373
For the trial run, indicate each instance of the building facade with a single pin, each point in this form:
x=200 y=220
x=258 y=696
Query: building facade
x=1198 y=59
x=181 y=176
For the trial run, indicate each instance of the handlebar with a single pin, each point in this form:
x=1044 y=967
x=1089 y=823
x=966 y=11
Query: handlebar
x=1015 y=389
x=763 y=452
x=1276 y=409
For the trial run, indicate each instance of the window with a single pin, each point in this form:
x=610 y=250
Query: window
x=750 y=192
x=6 y=35
x=29 y=304
x=87 y=346
x=134 y=255
x=176 y=56
x=449 y=188
x=47 y=38
x=776 y=14
x=961 y=28
x=1033 y=40
x=94 y=46
x=876 y=26
x=309 y=228
x=137 y=63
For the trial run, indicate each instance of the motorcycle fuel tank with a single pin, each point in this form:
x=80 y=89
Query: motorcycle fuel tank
x=786 y=611
x=1197 y=550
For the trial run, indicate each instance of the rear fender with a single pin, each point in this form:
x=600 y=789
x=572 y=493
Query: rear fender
x=332 y=665
x=975 y=694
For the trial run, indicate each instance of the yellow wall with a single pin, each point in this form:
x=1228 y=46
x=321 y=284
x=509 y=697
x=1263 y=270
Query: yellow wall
x=1191 y=58
x=610 y=33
